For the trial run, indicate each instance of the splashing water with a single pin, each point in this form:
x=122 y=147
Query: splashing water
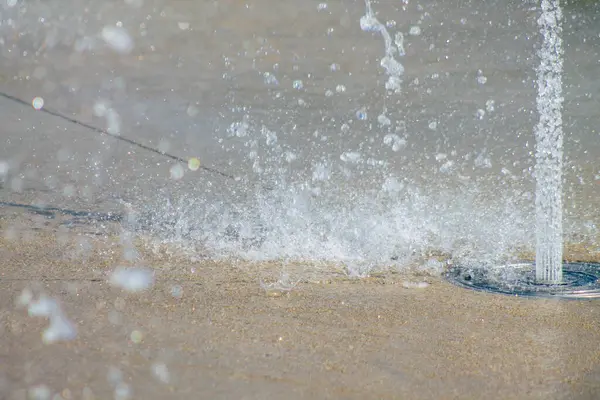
x=549 y=151
x=326 y=214
x=392 y=67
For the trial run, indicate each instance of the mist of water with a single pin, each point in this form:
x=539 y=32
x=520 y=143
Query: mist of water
x=549 y=150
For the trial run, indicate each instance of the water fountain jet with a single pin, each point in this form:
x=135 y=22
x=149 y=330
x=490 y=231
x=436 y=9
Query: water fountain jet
x=552 y=277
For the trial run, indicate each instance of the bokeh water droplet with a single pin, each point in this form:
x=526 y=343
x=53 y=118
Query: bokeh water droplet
x=161 y=372
x=37 y=103
x=177 y=171
x=123 y=391
x=118 y=39
x=132 y=279
x=136 y=336
x=39 y=392
x=193 y=164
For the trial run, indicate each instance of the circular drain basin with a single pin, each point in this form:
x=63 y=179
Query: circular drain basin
x=580 y=280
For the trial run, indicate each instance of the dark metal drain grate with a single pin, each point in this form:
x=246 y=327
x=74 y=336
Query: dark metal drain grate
x=581 y=280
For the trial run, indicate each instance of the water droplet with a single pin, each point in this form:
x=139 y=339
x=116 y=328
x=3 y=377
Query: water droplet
x=270 y=79
x=184 y=26
x=100 y=108
x=132 y=279
x=161 y=372
x=297 y=84
x=383 y=120
x=113 y=122
x=480 y=113
x=361 y=114
x=239 y=129
x=136 y=337
x=320 y=172
x=193 y=164
x=394 y=141
x=481 y=79
x=368 y=23
x=118 y=39
x=289 y=156
x=391 y=185
x=270 y=137
x=447 y=167
x=37 y=103
x=24 y=298
x=415 y=30
x=60 y=327
x=340 y=88
x=176 y=171
x=390 y=24
x=350 y=157
x=334 y=67
x=433 y=125
x=122 y=391
x=322 y=6
x=39 y=392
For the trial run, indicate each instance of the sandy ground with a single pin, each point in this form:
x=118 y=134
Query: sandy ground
x=221 y=335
